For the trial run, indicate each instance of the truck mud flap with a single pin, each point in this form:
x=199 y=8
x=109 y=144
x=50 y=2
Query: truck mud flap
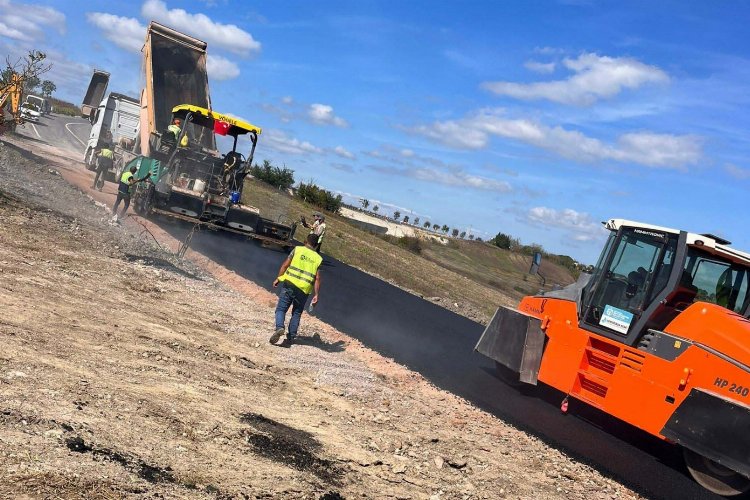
x=714 y=427
x=514 y=340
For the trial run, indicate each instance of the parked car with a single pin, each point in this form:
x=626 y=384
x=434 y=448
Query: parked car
x=30 y=112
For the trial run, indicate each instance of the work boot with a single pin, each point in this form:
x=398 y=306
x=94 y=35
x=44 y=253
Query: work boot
x=276 y=335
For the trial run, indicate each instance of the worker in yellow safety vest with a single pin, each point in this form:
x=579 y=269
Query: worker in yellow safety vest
x=125 y=190
x=318 y=227
x=104 y=159
x=175 y=128
x=300 y=276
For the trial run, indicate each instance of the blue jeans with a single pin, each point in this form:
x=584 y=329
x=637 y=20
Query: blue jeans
x=290 y=296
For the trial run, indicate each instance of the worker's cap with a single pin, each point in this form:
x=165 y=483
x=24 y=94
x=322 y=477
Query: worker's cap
x=318 y=215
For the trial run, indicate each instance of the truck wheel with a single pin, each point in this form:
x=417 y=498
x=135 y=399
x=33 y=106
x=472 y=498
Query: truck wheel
x=88 y=159
x=143 y=201
x=715 y=477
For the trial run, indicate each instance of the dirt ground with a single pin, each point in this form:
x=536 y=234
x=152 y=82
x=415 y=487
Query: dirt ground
x=126 y=372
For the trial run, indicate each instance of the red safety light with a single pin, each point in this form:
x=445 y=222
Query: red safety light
x=220 y=127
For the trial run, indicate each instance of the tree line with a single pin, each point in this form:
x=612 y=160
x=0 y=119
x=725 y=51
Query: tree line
x=508 y=242
x=283 y=178
x=416 y=221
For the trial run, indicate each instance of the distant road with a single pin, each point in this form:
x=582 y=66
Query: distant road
x=439 y=344
x=68 y=132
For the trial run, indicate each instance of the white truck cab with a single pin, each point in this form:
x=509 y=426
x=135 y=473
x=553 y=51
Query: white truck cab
x=41 y=104
x=116 y=121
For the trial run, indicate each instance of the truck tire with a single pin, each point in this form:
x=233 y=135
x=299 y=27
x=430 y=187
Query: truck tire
x=143 y=200
x=88 y=159
x=715 y=477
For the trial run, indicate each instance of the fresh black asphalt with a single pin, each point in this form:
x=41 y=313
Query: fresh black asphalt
x=439 y=344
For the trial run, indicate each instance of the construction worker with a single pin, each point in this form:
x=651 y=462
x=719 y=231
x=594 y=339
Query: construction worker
x=300 y=276
x=104 y=159
x=125 y=190
x=176 y=129
x=317 y=228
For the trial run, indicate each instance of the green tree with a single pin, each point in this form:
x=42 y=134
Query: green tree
x=502 y=240
x=47 y=88
x=463 y=234
x=277 y=177
x=319 y=197
x=454 y=232
x=445 y=228
x=435 y=227
x=5 y=76
x=365 y=203
x=375 y=208
x=396 y=215
x=471 y=236
x=427 y=224
x=416 y=221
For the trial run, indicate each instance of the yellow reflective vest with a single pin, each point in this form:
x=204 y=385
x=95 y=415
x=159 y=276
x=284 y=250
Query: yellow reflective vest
x=106 y=153
x=176 y=131
x=303 y=268
x=125 y=187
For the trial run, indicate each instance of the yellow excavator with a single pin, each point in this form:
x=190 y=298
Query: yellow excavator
x=11 y=93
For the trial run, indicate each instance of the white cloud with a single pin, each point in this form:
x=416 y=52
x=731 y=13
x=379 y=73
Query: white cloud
x=454 y=177
x=343 y=152
x=220 y=68
x=129 y=34
x=579 y=225
x=323 y=114
x=595 y=77
x=645 y=148
x=226 y=36
x=290 y=109
x=10 y=32
x=279 y=141
x=125 y=32
x=539 y=67
x=408 y=153
x=548 y=50
x=27 y=22
x=737 y=172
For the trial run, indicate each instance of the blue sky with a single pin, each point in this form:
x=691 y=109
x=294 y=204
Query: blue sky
x=538 y=119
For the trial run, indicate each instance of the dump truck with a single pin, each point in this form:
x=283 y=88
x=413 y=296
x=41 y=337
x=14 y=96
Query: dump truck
x=190 y=180
x=657 y=336
x=116 y=122
x=11 y=93
x=41 y=103
x=94 y=94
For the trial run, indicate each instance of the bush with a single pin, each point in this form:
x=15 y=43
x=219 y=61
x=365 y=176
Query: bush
x=410 y=243
x=321 y=198
x=282 y=178
x=502 y=240
x=64 y=108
